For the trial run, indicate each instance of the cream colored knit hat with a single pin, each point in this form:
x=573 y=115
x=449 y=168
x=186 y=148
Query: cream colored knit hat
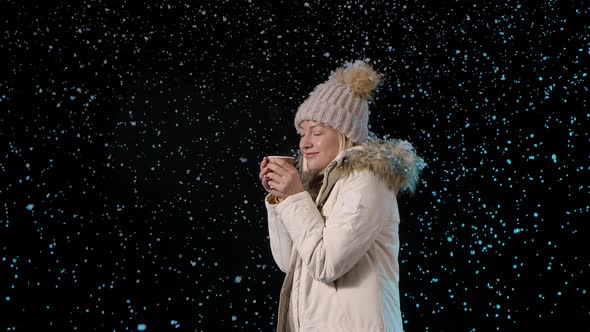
x=342 y=101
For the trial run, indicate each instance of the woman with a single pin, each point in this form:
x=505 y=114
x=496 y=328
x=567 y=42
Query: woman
x=334 y=229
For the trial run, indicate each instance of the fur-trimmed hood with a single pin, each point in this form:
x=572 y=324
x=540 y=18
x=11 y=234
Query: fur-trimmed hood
x=394 y=161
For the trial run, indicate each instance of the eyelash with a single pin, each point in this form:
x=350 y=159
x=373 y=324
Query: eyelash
x=317 y=134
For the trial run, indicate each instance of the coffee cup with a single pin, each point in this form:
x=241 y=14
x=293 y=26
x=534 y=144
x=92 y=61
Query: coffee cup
x=289 y=159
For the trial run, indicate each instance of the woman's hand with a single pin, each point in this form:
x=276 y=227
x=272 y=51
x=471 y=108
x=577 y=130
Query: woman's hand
x=262 y=175
x=282 y=178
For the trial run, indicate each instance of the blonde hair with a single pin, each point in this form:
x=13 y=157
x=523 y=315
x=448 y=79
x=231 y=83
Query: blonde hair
x=344 y=142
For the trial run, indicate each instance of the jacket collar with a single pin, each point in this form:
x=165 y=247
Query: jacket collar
x=394 y=161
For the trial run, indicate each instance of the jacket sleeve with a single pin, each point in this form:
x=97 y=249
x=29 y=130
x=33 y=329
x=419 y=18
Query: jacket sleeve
x=331 y=249
x=280 y=241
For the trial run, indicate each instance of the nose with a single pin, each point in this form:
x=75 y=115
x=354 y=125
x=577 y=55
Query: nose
x=304 y=142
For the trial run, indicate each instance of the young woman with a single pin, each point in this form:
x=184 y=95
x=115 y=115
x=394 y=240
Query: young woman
x=333 y=218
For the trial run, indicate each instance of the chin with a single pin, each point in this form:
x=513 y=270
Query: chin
x=314 y=165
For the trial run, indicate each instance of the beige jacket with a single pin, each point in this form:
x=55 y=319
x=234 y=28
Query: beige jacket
x=340 y=251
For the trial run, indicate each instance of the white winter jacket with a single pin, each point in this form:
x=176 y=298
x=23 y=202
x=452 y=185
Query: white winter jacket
x=340 y=251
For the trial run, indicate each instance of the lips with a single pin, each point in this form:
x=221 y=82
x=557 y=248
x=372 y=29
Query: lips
x=310 y=155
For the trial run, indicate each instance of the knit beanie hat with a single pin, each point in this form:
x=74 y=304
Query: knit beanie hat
x=342 y=102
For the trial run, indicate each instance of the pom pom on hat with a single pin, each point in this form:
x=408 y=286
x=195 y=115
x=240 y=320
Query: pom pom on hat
x=359 y=76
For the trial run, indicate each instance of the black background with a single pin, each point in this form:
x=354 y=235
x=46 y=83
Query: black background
x=131 y=135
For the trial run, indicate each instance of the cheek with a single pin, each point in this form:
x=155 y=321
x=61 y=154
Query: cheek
x=334 y=144
x=330 y=146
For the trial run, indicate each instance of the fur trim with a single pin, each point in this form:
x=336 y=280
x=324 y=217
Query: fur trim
x=394 y=161
x=359 y=76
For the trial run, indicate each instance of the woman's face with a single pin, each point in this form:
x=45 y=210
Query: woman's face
x=319 y=144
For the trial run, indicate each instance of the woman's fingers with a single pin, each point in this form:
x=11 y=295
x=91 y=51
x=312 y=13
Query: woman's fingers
x=275 y=181
x=281 y=167
x=263 y=163
x=280 y=176
x=262 y=174
x=272 y=176
x=263 y=168
x=266 y=187
x=274 y=168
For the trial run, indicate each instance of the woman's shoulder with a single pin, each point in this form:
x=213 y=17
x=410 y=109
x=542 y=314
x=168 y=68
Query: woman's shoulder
x=360 y=179
x=393 y=162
